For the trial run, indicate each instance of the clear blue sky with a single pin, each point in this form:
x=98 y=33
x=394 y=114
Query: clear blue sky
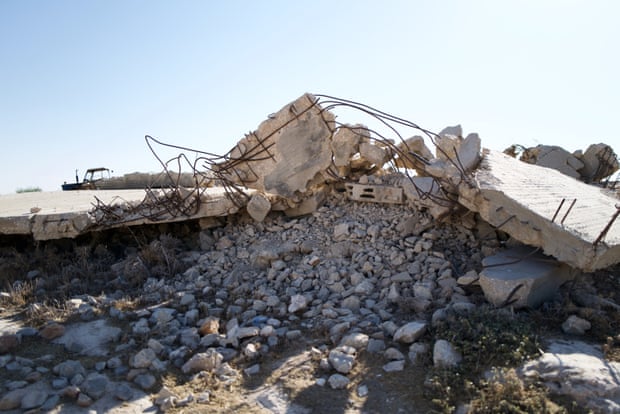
x=82 y=82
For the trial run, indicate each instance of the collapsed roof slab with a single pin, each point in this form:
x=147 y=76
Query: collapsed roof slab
x=68 y=214
x=572 y=221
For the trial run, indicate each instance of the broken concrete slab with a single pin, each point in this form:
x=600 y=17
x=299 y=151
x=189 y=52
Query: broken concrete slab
x=571 y=221
x=286 y=152
x=522 y=277
x=412 y=154
x=426 y=192
x=555 y=157
x=67 y=214
x=599 y=161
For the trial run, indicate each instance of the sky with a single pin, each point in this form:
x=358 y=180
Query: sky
x=82 y=82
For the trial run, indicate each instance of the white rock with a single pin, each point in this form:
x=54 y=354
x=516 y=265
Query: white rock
x=575 y=325
x=298 y=303
x=444 y=355
x=205 y=361
x=410 y=332
x=338 y=381
x=341 y=361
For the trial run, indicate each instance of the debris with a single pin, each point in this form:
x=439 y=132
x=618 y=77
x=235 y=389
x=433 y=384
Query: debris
x=522 y=277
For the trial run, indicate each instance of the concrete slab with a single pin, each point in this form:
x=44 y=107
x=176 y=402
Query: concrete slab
x=526 y=201
x=520 y=278
x=67 y=214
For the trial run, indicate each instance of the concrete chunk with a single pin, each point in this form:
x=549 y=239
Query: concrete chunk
x=518 y=278
x=286 y=152
x=553 y=157
x=525 y=201
x=375 y=193
x=258 y=207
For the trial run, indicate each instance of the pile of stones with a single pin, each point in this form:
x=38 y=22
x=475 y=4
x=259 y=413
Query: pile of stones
x=359 y=277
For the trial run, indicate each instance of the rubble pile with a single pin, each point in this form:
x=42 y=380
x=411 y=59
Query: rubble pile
x=379 y=242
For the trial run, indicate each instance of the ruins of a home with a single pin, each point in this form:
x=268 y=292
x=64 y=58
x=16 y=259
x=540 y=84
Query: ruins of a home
x=549 y=199
x=564 y=221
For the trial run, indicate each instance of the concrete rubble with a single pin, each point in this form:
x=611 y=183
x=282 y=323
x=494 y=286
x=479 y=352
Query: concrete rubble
x=364 y=259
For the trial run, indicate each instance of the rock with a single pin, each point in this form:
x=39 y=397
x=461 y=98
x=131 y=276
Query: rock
x=95 y=385
x=8 y=342
x=599 y=161
x=468 y=278
x=258 y=207
x=444 y=355
x=575 y=325
x=341 y=231
x=417 y=352
x=52 y=330
x=553 y=157
x=145 y=381
x=286 y=152
x=341 y=361
x=12 y=399
x=338 y=381
x=362 y=390
x=375 y=345
x=374 y=154
x=393 y=354
x=298 y=303
x=580 y=371
x=356 y=340
x=84 y=400
x=205 y=361
x=526 y=279
x=410 y=332
x=143 y=359
x=123 y=392
x=211 y=325
x=394 y=366
x=69 y=369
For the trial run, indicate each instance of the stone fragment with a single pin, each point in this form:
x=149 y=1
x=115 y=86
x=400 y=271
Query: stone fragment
x=69 y=369
x=338 y=381
x=410 y=151
x=143 y=358
x=417 y=352
x=298 y=303
x=286 y=152
x=258 y=207
x=599 y=161
x=394 y=366
x=444 y=355
x=345 y=143
x=374 y=154
x=356 y=340
x=204 y=361
x=8 y=342
x=123 y=392
x=580 y=371
x=410 y=332
x=341 y=361
x=553 y=157
x=52 y=330
x=525 y=280
x=145 y=381
x=426 y=192
x=95 y=385
x=12 y=399
x=83 y=400
x=211 y=325
x=575 y=325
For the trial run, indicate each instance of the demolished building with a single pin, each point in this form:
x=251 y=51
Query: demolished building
x=301 y=153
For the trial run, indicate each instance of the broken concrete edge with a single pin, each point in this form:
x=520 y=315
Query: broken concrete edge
x=565 y=241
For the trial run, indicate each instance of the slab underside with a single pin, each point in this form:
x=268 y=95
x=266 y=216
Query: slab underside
x=522 y=199
x=68 y=214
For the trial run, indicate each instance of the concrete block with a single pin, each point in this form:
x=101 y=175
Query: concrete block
x=553 y=157
x=345 y=143
x=309 y=204
x=599 y=161
x=286 y=152
x=426 y=192
x=518 y=278
x=413 y=145
x=525 y=201
x=258 y=207
x=374 y=154
x=375 y=193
